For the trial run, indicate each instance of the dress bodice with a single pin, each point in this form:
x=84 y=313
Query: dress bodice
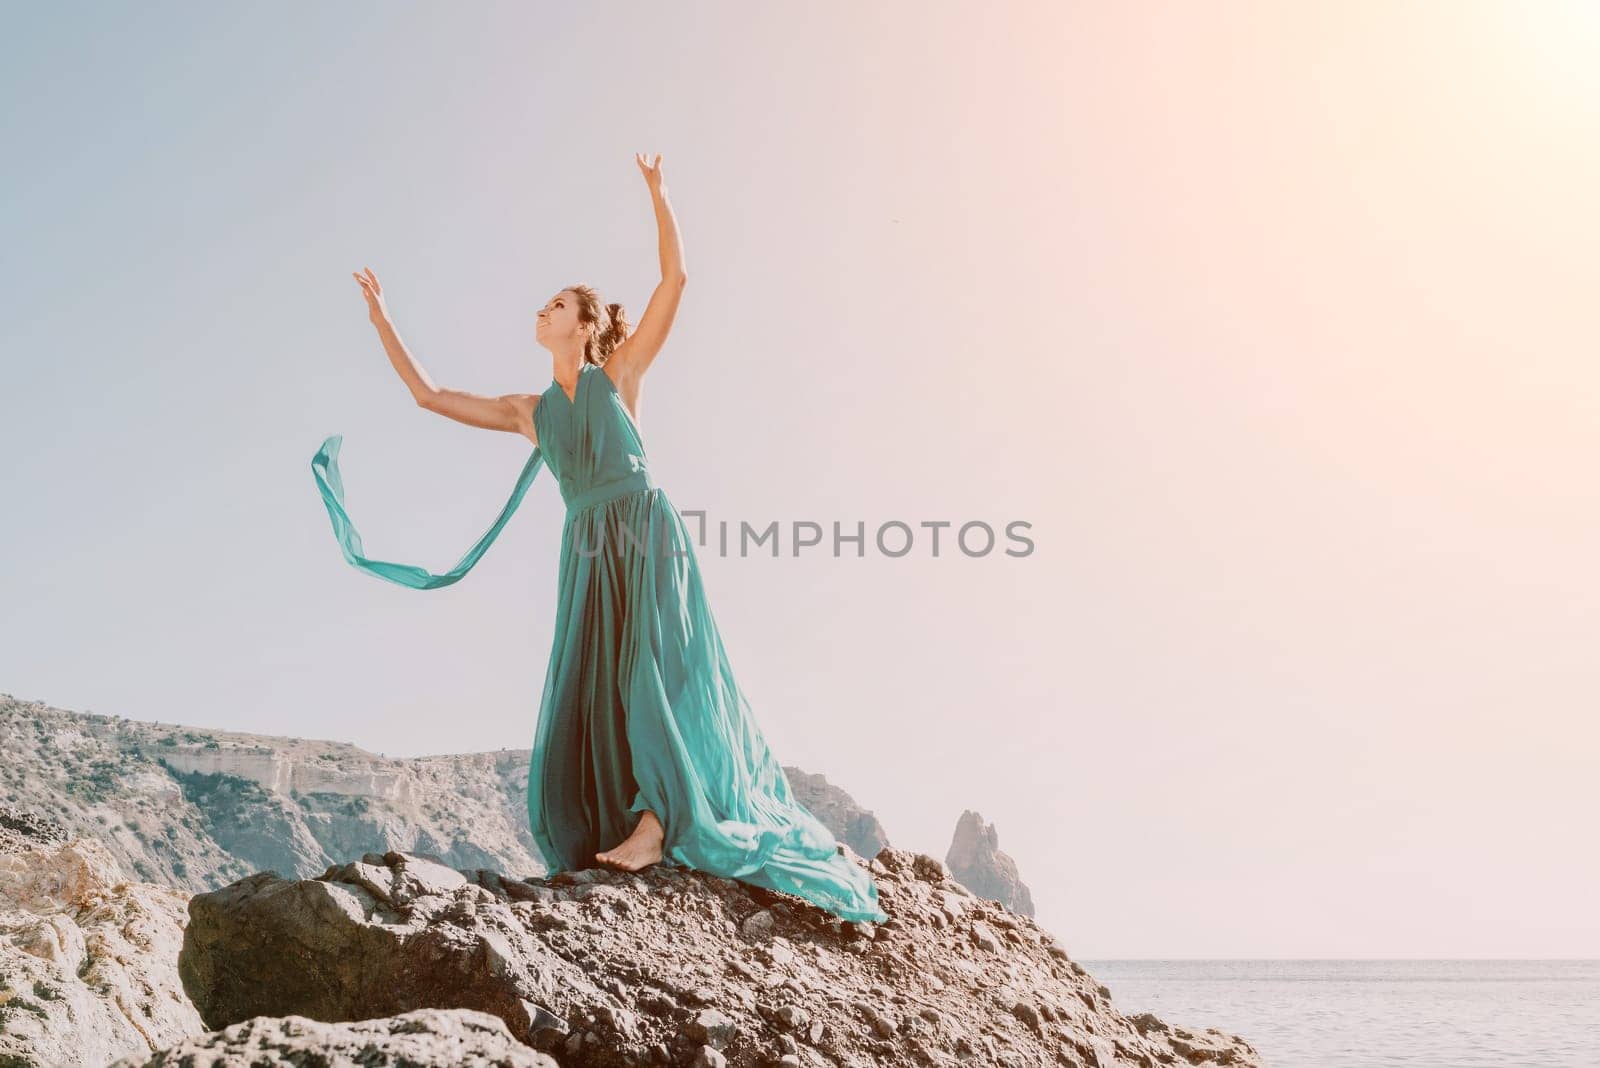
x=589 y=441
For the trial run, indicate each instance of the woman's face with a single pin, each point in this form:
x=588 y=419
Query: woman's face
x=558 y=321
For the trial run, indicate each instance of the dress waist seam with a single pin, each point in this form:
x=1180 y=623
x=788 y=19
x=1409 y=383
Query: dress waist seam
x=634 y=483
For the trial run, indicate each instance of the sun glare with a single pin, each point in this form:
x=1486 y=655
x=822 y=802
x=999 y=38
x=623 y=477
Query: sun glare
x=1562 y=39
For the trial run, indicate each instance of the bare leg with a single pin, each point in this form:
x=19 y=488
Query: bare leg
x=640 y=849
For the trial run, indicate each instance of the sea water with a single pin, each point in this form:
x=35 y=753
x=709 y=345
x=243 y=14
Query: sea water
x=1377 y=1013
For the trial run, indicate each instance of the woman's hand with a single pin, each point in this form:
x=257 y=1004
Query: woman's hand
x=652 y=171
x=377 y=310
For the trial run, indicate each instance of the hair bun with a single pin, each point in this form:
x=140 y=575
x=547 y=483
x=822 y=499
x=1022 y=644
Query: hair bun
x=607 y=333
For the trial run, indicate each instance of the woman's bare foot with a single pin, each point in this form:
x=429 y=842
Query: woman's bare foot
x=640 y=849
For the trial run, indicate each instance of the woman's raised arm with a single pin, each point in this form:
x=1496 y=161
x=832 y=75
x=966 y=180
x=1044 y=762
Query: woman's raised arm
x=635 y=354
x=512 y=412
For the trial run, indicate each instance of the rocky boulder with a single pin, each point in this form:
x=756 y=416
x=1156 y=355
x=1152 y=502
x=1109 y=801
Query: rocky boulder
x=88 y=960
x=671 y=966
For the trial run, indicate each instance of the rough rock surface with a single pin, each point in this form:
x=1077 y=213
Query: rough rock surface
x=977 y=863
x=423 y=1039
x=22 y=828
x=88 y=960
x=672 y=966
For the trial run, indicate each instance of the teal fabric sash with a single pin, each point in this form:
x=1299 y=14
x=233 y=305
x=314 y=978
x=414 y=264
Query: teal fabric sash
x=325 y=466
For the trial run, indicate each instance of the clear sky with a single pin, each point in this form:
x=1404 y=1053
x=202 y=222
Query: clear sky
x=1275 y=321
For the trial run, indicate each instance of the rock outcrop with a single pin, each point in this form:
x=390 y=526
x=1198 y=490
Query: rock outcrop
x=977 y=863
x=851 y=824
x=427 y=1038
x=88 y=960
x=671 y=966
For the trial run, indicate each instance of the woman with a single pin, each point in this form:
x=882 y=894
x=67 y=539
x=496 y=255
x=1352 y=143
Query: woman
x=646 y=748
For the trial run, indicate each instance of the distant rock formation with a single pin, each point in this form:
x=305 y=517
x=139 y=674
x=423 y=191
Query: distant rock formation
x=199 y=808
x=88 y=960
x=672 y=966
x=977 y=863
x=838 y=811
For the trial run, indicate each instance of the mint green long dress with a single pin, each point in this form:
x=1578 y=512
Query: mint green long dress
x=640 y=706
